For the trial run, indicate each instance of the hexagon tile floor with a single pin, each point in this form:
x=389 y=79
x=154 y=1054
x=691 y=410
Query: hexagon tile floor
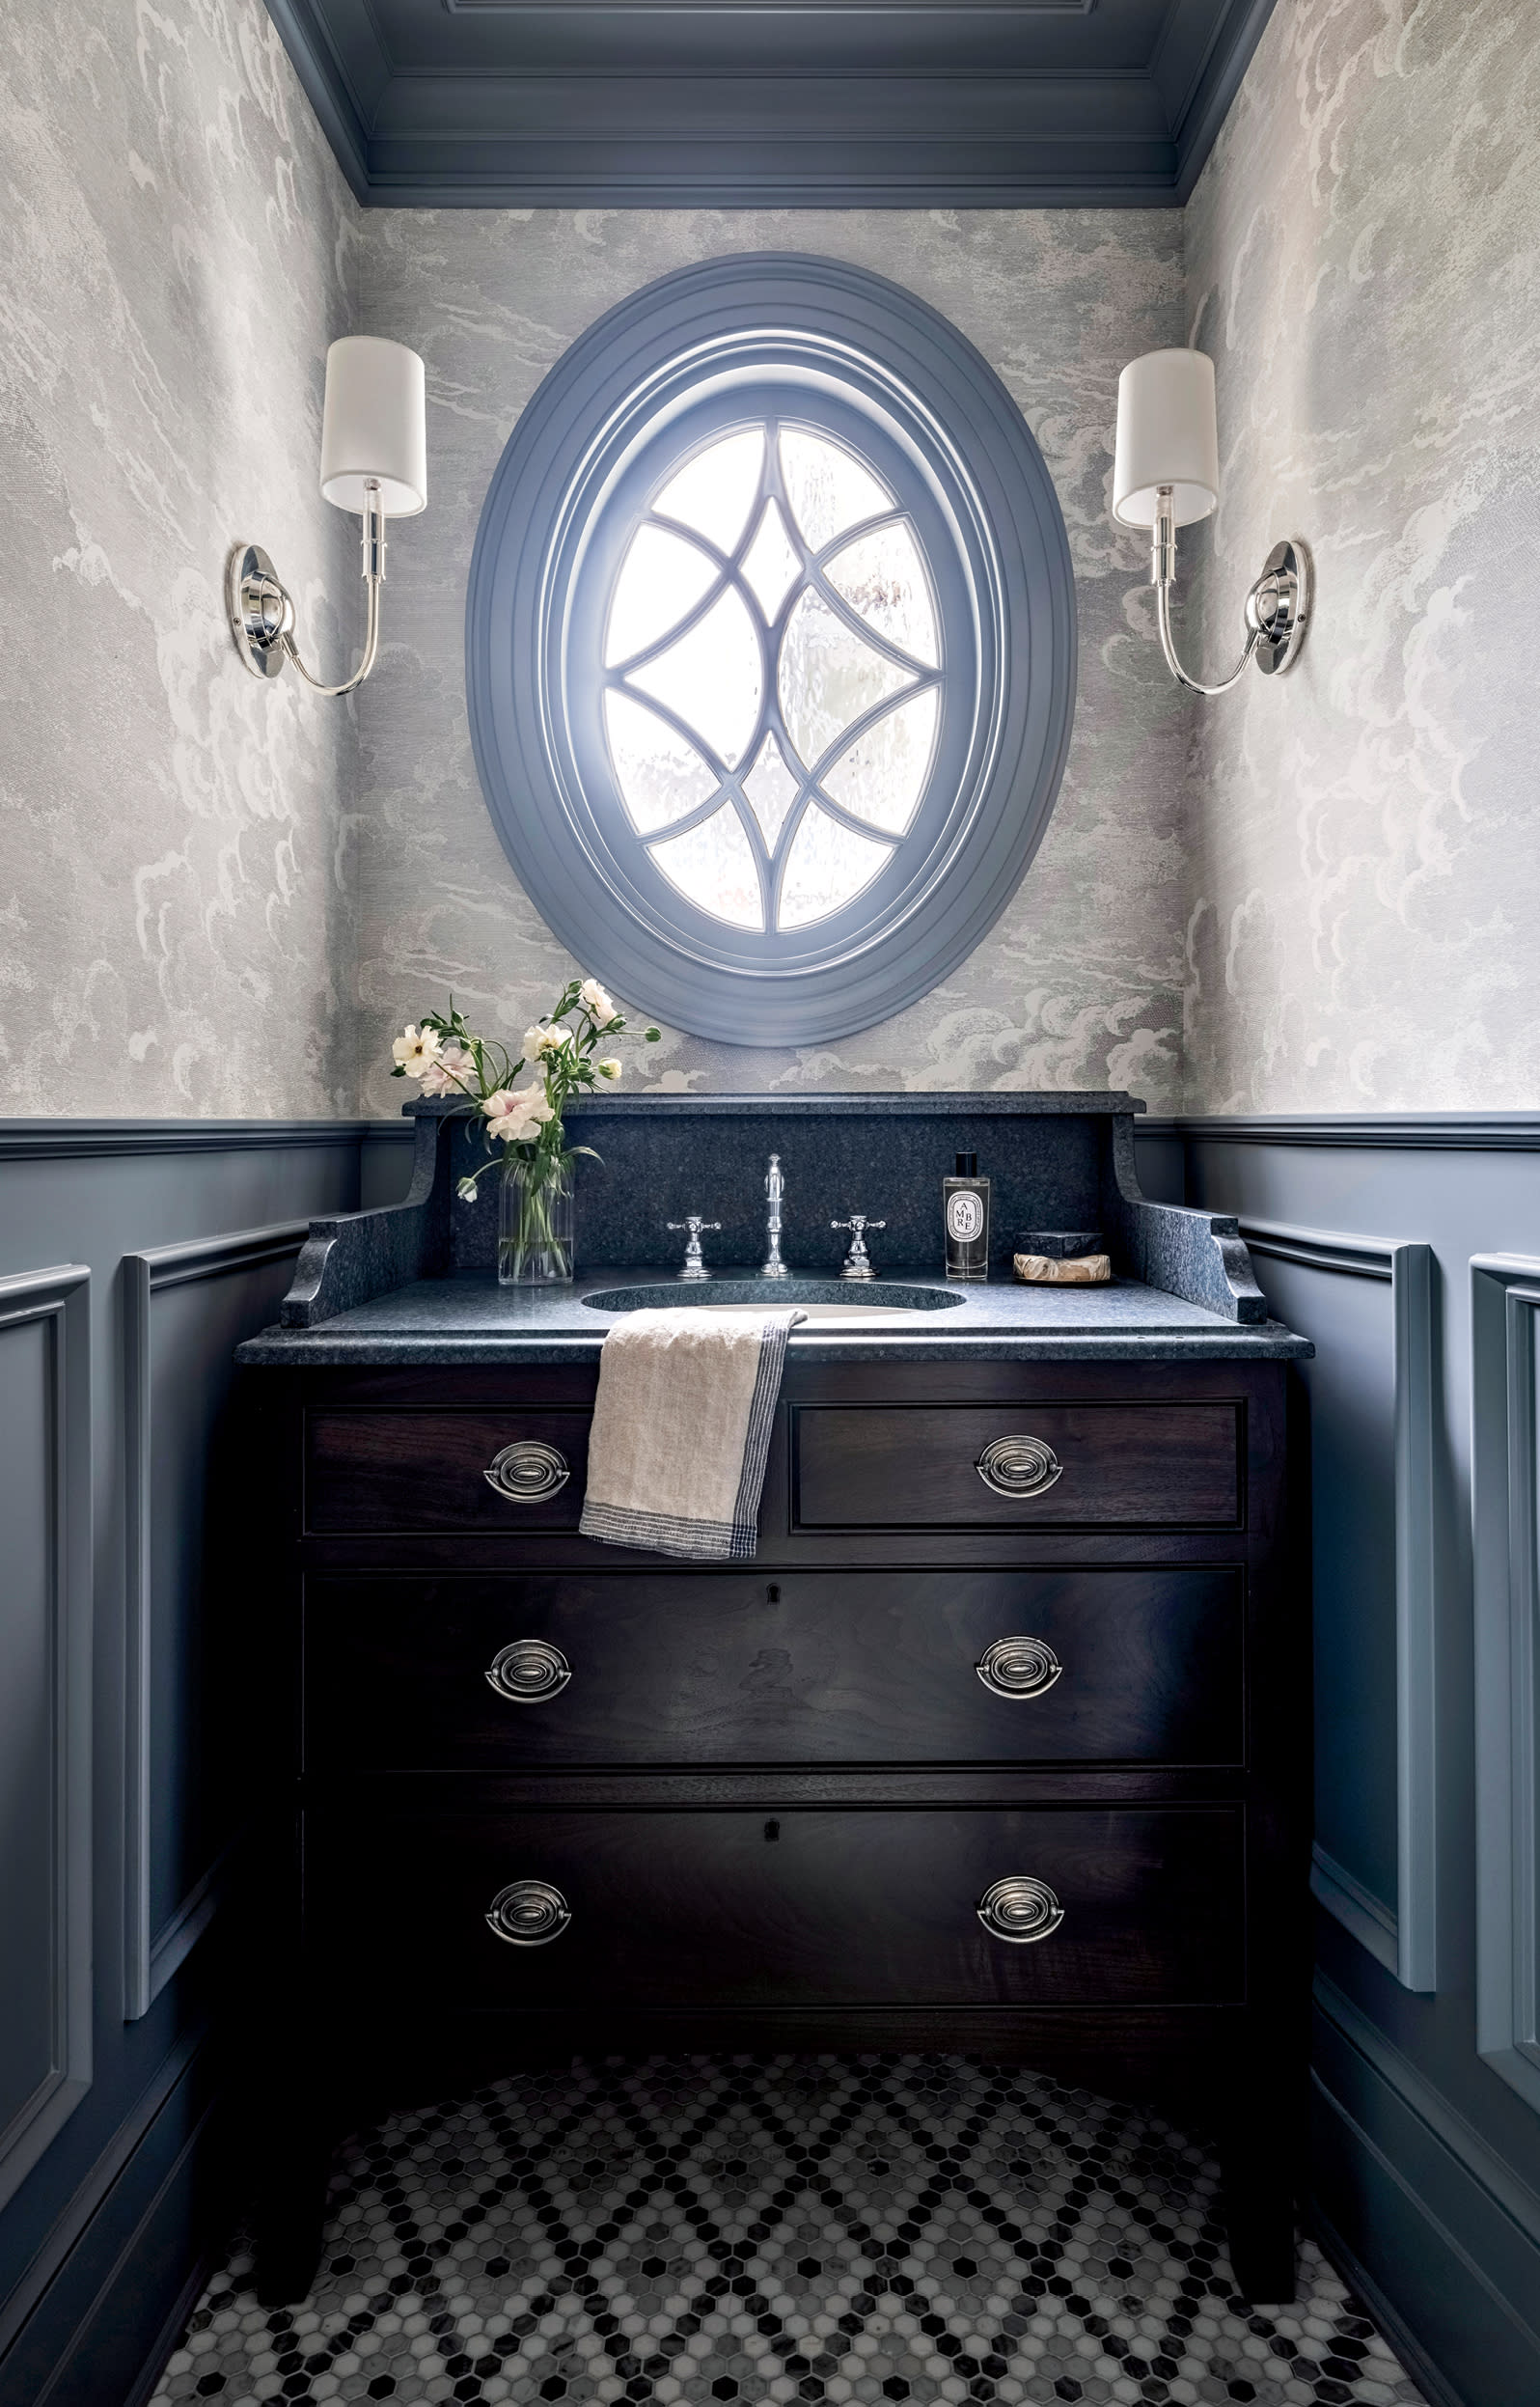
x=780 y=2228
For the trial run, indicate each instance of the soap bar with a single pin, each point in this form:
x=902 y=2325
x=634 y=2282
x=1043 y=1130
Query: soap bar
x=1059 y=1244
x=1085 y=1271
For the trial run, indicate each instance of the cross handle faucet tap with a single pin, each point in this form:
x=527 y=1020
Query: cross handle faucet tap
x=694 y=1264
x=857 y=1262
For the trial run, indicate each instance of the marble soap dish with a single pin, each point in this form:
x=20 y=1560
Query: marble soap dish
x=1065 y=1258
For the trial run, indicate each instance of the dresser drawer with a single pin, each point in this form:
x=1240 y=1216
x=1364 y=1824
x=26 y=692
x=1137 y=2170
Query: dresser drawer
x=954 y=1466
x=666 y=1908
x=488 y=1473
x=1046 y=1667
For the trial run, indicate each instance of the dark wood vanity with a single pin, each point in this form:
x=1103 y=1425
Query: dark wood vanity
x=1001 y=1748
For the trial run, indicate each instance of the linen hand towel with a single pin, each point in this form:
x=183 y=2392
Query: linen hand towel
x=682 y=1431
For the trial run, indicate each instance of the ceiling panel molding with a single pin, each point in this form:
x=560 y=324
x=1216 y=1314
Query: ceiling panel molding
x=720 y=103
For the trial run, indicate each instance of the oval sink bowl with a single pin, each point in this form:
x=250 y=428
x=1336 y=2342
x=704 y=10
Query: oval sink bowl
x=818 y=1299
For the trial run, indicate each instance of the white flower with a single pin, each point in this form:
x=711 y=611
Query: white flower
x=452 y=1071
x=609 y=1068
x=515 y=1115
x=466 y=1190
x=541 y=1041
x=415 y=1049
x=596 y=1003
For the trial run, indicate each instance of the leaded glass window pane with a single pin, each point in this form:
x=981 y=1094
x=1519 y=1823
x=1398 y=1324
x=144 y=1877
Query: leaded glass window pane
x=813 y=658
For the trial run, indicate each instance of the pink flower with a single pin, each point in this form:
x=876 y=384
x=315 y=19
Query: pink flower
x=517 y=1115
x=451 y=1072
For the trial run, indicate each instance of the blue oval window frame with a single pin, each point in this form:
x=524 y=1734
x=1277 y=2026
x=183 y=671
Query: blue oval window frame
x=814 y=342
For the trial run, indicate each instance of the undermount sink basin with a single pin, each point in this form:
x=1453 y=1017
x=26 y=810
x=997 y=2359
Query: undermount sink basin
x=816 y=1299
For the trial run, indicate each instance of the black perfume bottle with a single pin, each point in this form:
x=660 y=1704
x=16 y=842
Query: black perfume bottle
x=965 y=1217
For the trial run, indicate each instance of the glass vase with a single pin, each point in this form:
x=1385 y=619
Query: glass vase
x=535 y=1219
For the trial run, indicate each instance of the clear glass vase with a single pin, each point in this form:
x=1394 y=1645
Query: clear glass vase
x=535 y=1219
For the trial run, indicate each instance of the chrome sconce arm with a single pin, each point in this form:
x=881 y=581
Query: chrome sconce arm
x=1278 y=607
x=261 y=611
x=374 y=460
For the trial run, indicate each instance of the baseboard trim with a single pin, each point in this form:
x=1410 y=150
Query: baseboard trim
x=170 y=2326
x=1476 y=2156
x=1409 y=2351
x=109 y=2284
x=92 y=2193
x=175 y=2323
x=1446 y=2275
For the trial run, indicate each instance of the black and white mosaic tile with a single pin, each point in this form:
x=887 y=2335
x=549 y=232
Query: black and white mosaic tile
x=785 y=2228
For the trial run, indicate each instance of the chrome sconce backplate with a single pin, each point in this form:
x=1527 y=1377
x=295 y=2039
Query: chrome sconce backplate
x=1278 y=607
x=260 y=611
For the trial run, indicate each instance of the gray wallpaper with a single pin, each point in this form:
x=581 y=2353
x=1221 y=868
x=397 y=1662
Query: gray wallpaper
x=1079 y=985
x=176 y=252
x=1363 y=262
x=221 y=897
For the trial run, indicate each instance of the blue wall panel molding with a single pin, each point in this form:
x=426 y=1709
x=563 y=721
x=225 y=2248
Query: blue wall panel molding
x=78 y=1139
x=154 y=1947
x=46 y=1849
x=1405 y=1940
x=1419 y=1132
x=903 y=107
x=1505 y=1549
x=136 y=2140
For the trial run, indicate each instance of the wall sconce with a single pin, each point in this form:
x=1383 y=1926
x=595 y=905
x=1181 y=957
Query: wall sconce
x=374 y=460
x=1165 y=474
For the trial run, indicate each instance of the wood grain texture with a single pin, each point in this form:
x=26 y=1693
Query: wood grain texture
x=836 y=1909
x=385 y=1471
x=831 y=1667
x=904 y=1466
x=1160 y=1787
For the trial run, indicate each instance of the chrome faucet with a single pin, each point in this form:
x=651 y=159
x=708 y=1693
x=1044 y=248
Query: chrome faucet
x=694 y=1260
x=775 y=1187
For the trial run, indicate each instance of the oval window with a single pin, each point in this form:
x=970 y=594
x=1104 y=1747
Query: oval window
x=770 y=650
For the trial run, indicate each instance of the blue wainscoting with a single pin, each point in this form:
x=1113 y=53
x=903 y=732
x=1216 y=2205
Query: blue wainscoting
x=133 y=1259
x=1409 y=1249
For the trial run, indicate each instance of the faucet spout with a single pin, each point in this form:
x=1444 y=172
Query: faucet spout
x=775 y=1187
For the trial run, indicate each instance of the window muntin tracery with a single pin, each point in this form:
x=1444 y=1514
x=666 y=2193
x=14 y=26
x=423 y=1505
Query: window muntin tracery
x=771 y=674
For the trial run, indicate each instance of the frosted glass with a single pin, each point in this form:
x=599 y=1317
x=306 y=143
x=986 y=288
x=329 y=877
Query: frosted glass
x=829 y=677
x=883 y=775
x=659 y=775
x=772 y=563
x=713 y=866
x=881 y=576
x=714 y=491
x=771 y=790
x=826 y=867
x=827 y=488
x=661 y=578
x=711 y=676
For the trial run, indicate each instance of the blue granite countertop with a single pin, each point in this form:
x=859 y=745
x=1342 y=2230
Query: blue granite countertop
x=468 y=1318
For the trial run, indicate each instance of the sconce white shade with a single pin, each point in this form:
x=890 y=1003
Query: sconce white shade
x=374 y=425
x=1167 y=433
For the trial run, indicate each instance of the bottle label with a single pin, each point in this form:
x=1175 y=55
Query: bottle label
x=965 y=1216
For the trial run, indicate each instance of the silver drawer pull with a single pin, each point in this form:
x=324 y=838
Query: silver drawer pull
x=1021 y=1910
x=527 y=1471
x=529 y=1671
x=1016 y=1667
x=1018 y=1466
x=529 y=1914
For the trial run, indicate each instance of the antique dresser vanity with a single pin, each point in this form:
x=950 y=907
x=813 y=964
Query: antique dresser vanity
x=999 y=1745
